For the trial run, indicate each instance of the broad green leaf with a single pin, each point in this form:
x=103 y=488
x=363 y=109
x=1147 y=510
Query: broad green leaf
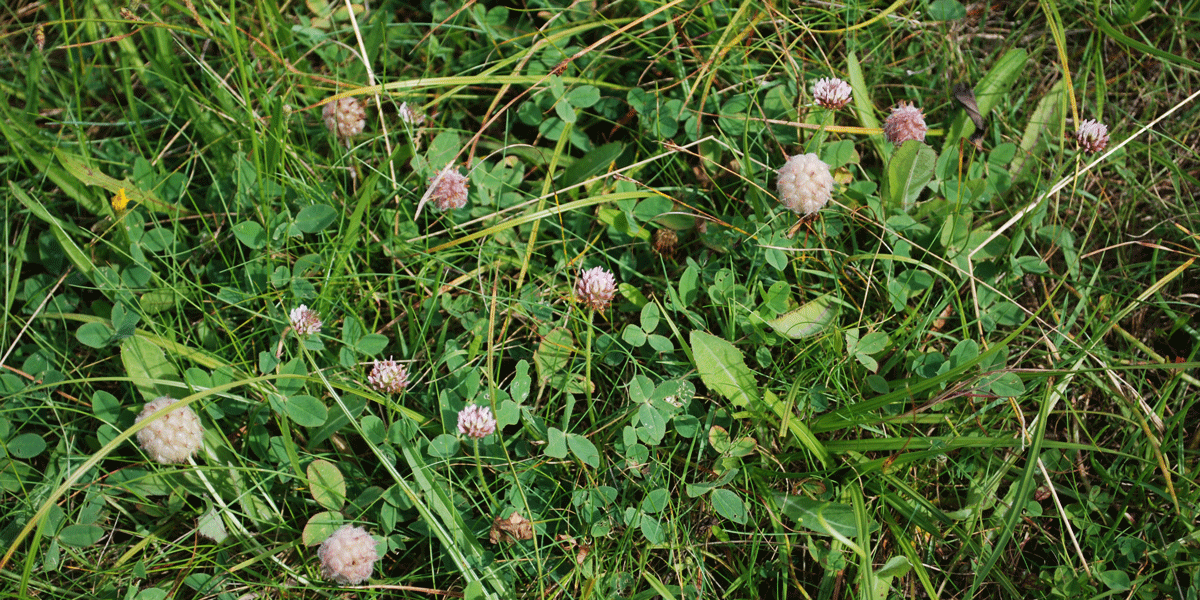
x=250 y=234
x=633 y=335
x=106 y=406
x=306 y=410
x=148 y=367
x=909 y=169
x=326 y=484
x=211 y=526
x=315 y=218
x=554 y=353
x=556 y=443
x=443 y=446
x=593 y=163
x=320 y=527
x=729 y=505
x=26 y=445
x=80 y=536
x=584 y=449
x=946 y=10
x=652 y=529
x=1008 y=385
x=95 y=334
x=656 y=501
x=896 y=566
x=723 y=369
x=810 y=319
x=823 y=517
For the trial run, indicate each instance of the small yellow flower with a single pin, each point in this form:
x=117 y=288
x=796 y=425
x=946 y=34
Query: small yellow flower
x=120 y=201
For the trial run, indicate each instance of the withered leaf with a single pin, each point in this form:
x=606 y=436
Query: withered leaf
x=512 y=529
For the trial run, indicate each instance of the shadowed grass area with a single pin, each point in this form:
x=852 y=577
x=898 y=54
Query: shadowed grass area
x=970 y=374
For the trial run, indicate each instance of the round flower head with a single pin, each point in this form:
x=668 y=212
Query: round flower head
x=345 y=118
x=595 y=288
x=173 y=437
x=665 y=242
x=805 y=184
x=448 y=189
x=348 y=556
x=305 y=321
x=905 y=123
x=388 y=376
x=831 y=92
x=476 y=421
x=1092 y=136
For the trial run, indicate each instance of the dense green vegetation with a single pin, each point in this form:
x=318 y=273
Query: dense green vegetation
x=972 y=374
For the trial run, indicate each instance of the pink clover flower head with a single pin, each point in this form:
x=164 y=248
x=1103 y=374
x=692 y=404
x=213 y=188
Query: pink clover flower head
x=305 y=321
x=805 y=184
x=344 y=118
x=348 y=556
x=410 y=115
x=448 y=189
x=173 y=437
x=476 y=421
x=388 y=376
x=831 y=92
x=905 y=123
x=595 y=288
x=1092 y=136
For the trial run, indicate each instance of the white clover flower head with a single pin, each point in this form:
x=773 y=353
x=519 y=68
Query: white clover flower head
x=595 y=288
x=410 y=115
x=348 y=556
x=476 y=421
x=173 y=437
x=388 y=376
x=905 y=123
x=448 y=189
x=1092 y=136
x=805 y=184
x=305 y=321
x=344 y=118
x=831 y=92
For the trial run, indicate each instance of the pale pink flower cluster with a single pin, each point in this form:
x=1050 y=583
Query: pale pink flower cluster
x=388 y=376
x=476 y=422
x=595 y=288
x=305 y=321
x=348 y=556
x=173 y=437
x=345 y=118
x=1092 y=136
x=448 y=189
x=805 y=184
x=831 y=92
x=905 y=123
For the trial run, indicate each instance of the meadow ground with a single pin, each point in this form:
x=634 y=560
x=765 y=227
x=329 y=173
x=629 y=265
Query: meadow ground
x=599 y=299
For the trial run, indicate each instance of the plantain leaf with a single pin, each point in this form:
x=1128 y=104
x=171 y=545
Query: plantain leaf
x=909 y=169
x=810 y=319
x=723 y=369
